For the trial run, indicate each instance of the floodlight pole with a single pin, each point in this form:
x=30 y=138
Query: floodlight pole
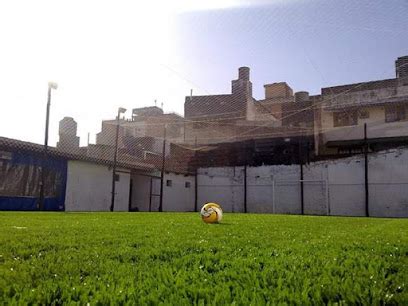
x=115 y=156
x=47 y=121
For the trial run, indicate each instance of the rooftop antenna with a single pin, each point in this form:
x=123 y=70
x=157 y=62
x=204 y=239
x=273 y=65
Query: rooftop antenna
x=88 y=139
x=162 y=105
x=155 y=102
x=191 y=94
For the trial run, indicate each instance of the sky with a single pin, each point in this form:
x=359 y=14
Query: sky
x=110 y=54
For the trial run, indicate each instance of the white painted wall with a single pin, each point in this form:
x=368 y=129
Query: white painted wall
x=388 y=184
x=141 y=192
x=333 y=187
x=178 y=197
x=122 y=190
x=89 y=187
x=264 y=181
x=315 y=189
x=336 y=186
x=223 y=186
x=346 y=187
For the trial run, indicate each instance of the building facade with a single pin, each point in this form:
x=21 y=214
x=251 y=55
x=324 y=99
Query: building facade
x=376 y=110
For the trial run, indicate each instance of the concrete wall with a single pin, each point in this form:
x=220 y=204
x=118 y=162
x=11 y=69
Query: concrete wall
x=223 y=186
x=178 y=197
x=333 y=187
x=262 y=192
x=388 y=184
x=346 y=187
x=140 y=193
x=89 y=188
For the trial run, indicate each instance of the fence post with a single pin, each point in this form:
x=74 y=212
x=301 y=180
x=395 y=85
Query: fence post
x=302 y=201
x=327 y=197
x=151 y=194
x=196 y=190
x=162 y=169
x=367 y=214
x=273 y=196
x=245 y=188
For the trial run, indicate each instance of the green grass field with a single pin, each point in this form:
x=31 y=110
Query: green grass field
x=174 y=258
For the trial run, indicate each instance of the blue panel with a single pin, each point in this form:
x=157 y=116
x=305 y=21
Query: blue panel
x=17 y=203
x=30 y=203
x=54 y=204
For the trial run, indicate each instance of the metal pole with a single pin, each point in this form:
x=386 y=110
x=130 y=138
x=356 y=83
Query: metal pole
x=130 y=195
x=196 y=179
x=273 y=196
x=366 y=171
x=47 y=120
x=150 y=198
x=327 y=197
x=245 y=188
x=114 y=164
x=162 y=169
x=196 y=191
x=302 y=200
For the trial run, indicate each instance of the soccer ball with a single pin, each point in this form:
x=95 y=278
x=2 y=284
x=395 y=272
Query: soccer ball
x=211 y=213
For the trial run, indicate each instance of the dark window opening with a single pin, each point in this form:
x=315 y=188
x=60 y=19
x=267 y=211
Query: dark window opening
x=364 y=114
x=345 y=118
x=169 y=183
x=188 y=185
x=395 y=113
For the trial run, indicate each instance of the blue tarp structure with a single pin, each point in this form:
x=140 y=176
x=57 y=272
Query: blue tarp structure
x=20 y=178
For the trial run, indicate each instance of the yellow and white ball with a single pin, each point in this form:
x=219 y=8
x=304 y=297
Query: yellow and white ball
x=211 y=213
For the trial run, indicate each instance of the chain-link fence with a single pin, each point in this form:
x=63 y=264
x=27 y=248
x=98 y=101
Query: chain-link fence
x=229 y=130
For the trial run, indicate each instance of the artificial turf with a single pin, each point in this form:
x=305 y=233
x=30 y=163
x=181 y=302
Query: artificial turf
x=174 y=258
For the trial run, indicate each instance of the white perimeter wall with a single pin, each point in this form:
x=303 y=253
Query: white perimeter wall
x=333 y=187
x=89 y=188
x=177 y=197
x=140 y=192
x=223 y=186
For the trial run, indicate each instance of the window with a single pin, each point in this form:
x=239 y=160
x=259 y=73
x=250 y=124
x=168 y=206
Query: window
x=345 y=118
x=169 y=183
x=188 y=185
x=364 y=113
x=395 y=113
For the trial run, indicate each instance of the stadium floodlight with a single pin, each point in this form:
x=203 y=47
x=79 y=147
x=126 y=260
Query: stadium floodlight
x=52 y=85
x=121 y=110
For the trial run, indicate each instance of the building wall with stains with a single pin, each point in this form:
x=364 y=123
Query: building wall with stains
x=332 y=187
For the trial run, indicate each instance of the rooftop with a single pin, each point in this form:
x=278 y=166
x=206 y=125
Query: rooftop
x=8 y=143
